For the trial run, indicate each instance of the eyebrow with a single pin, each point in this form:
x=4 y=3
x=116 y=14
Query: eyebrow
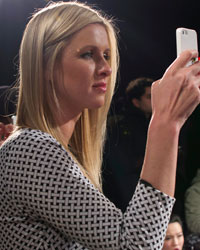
x=169 y=235
x=91 y=46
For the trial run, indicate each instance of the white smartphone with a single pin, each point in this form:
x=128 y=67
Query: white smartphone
x=186 y=39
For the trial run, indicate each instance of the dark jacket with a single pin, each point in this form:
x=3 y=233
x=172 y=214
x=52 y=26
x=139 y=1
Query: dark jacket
x=124 y=154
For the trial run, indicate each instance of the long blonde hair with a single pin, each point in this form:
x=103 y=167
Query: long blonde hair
x=45 y=36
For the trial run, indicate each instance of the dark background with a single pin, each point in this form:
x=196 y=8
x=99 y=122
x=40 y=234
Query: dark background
x=147 y=34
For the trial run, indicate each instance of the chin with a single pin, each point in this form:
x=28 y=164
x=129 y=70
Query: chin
x=97 y=104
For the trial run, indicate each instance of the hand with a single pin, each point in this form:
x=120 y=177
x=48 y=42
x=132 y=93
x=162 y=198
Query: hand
x=5 y=131
x=177 y=93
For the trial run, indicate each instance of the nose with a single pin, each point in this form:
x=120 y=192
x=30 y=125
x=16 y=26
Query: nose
x=175 y=241
x=104 y=68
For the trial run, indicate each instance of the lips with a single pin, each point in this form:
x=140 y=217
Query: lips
x=100 y=86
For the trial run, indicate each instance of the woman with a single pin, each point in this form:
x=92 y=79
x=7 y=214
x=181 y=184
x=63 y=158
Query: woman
x=50 y=166
x=174 y=239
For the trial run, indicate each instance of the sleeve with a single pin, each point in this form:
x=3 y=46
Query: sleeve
x=48 y=183
x=192 y=205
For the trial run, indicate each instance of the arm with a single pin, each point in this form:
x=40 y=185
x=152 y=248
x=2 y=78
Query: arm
x=48 y=185
x=174 y=97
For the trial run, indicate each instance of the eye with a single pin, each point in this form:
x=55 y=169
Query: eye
x=180 y=235
x=167 y=238
x=106 y=56
x=87 y=55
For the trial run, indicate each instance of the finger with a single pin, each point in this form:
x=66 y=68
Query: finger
x=195 y=69
x=184 y=58
x=197 y=83
x=155 y=83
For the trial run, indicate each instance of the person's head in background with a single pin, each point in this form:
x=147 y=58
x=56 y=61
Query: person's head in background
x=7 y=104
x=48 y=79
x=138 y=94
x=7 y=111
x=174 y=239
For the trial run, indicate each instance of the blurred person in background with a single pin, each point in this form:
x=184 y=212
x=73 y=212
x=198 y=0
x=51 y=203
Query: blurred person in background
x=7 y=111
x=174 y=239
x=127 y=131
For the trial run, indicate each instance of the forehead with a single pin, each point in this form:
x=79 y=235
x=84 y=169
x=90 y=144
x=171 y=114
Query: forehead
x=174 y=228
x=93 y=34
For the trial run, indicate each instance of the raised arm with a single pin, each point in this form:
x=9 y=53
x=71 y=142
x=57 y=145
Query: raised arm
x=174 y=97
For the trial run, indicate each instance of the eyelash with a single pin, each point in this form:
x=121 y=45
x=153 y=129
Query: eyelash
x=169 y=238
x=89 y=54
x=106 y=56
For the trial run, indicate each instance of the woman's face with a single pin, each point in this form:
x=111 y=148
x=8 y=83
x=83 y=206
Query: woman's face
x=85 y=70
x=174 y=239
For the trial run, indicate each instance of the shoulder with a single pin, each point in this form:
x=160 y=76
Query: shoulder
x=30 y=137
x=33 y=143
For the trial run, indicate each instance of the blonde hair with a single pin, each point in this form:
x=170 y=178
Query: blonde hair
x=45 y=36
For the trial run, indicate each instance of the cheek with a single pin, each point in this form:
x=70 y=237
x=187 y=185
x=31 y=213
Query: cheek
x=167 y=245
x=87 y=71
x=182 y=241
x=81 y=76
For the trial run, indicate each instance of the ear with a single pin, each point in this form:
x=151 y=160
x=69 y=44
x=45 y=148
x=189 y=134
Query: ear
x=136 y=102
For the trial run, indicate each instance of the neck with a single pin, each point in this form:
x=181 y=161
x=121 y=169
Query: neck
x=67 y=124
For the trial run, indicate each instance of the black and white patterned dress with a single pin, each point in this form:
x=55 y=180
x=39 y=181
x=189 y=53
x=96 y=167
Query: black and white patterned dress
x=47 y=203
